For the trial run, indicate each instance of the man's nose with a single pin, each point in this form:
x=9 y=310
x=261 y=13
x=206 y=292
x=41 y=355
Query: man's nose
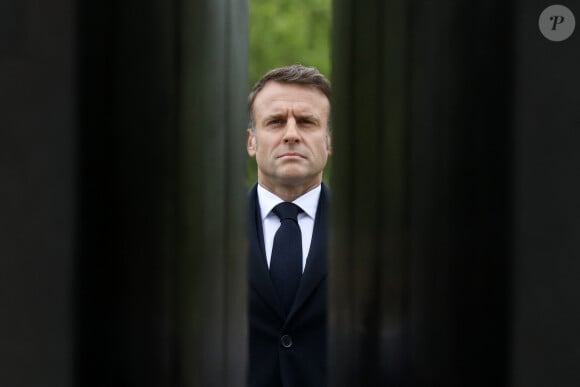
x=291 y=133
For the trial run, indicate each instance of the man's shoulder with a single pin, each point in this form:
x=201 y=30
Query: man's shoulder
x=252 y=192
x=325 y=193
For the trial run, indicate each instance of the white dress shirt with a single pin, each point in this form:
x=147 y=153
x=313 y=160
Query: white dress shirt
x=270 y=222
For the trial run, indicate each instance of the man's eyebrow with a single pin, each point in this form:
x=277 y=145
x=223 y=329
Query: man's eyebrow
x=298 y=115
x=274 y=115
x=308 y=116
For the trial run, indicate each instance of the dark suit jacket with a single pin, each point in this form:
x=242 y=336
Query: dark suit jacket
x=288 y=351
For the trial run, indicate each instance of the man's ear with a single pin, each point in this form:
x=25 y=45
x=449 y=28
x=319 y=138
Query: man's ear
x=329 y=143
x=251 y=142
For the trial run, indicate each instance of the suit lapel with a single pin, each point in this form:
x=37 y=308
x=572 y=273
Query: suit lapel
x=258 y=267
x=316 y=264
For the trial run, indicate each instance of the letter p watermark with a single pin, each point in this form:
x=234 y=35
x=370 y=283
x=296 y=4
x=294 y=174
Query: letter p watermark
x=557 y=23
x=557 y=20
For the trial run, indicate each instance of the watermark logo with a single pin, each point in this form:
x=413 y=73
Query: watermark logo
x=557 y=23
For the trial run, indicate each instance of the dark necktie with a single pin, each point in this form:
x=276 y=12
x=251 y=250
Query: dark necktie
x=286 y=259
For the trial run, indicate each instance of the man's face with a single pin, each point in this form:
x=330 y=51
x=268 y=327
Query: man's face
x=291 y=142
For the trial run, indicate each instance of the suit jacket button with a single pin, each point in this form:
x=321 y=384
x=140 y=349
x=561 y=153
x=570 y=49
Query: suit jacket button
x=286 y=341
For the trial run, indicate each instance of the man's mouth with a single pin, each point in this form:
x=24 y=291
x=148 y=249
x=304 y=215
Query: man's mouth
x=291 y=155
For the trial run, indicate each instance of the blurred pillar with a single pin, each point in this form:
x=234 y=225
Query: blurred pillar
x=161 y=272
x=37 y=192
x=546 y=290
x=213 y=118
x=421 y=193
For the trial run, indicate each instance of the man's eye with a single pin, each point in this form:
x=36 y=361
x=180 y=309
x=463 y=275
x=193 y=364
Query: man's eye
x=275 y=122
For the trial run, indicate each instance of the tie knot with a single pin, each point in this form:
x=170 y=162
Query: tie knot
x=287 y=210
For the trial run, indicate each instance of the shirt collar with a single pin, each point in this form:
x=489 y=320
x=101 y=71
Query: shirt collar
x=308 y=202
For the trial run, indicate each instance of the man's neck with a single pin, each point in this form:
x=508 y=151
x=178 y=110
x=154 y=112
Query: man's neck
x=290 y=193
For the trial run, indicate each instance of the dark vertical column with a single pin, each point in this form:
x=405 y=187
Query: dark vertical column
x=461 y=157
x=122 y=193
x=422 y=193
x=161 y=275
x=37 y=196
x=212 y=307
x=546 y=302
x=127 y=181
x=369 y=266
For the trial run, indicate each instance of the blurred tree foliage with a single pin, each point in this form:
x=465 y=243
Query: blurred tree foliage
x=284 y=32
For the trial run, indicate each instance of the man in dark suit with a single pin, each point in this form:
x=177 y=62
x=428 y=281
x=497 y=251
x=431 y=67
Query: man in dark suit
x=288 y=220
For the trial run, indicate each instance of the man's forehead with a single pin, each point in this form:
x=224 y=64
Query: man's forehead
x=281 y=96
x=282 y=108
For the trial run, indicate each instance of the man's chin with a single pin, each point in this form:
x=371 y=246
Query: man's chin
x=293 y=174
x=296 y=179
